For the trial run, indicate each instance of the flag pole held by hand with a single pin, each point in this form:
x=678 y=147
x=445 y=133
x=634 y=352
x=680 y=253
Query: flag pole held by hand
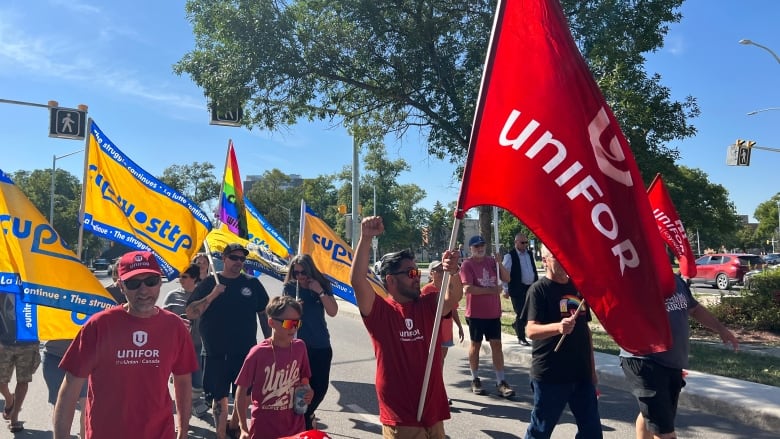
x=563 y=336
x=211 y=261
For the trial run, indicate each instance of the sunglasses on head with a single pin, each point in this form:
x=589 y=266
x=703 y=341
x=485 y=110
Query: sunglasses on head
x=134 y=284
x=237 y=258
x=413 y=272
x=289 y=323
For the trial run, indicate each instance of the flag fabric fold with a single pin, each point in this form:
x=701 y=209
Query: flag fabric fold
x=262 y=233
x=546 y=147
x=256 y=260
x=126 y=204
x=670 y=227
x=332 y=255
x=231 y=201
x=38 y=271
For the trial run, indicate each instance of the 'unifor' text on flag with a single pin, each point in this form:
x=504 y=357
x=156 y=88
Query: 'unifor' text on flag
x=670 y=226
x=546 y=147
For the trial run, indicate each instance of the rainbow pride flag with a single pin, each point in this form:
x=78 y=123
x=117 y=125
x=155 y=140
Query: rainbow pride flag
x=231 y=203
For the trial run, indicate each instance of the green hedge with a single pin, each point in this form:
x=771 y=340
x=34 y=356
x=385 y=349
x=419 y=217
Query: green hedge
x=758 y=308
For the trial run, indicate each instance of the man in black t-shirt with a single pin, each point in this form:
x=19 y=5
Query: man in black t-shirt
x=567 y=376
x=228 y=314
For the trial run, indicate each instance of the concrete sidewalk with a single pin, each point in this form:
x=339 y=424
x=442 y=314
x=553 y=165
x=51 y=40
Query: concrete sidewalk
x=752 y=404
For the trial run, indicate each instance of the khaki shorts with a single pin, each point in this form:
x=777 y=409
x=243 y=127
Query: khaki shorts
x=435 y=431
x=25 y=358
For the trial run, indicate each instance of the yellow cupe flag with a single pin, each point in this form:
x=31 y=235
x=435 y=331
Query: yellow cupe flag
x=332 y=255
x=45 y=291
x=126 y=204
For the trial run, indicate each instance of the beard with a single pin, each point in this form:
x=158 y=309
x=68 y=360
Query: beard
x=411 y=293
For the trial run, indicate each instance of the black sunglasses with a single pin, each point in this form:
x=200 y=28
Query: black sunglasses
x=297 y=273
x=523 y=242
x=237 y=258
x=134 y=284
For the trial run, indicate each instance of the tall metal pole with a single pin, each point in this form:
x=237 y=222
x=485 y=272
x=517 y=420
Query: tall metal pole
x=355 y=191
x=778 y=224
x=375 y=240
x=772 y=52
x=51 y=192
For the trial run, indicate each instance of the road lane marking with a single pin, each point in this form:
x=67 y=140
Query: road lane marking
x=366 y=416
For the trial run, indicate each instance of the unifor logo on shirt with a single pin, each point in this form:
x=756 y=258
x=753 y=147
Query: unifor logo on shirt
x=410 y=334
x=138 y=356
x=246 y=292
x=140 y=338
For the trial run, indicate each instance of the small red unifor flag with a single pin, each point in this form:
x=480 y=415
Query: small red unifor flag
x=670 y=227
x=546 y=147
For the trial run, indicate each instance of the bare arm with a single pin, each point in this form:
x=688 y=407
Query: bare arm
x=328 y=301
x=701 y=314
x=455 y=288
x=182 y=389
x=65 y=407
x=364 y=293
x=242 y=402
x=475 y=290
x=196 y=309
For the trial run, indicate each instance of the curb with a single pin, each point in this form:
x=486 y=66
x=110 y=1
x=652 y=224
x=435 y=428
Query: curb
x=757 y=405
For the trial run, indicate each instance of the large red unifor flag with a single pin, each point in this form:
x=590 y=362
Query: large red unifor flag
x=546 y=147
x=670 y=227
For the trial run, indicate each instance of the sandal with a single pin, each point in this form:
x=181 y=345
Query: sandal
x=16 y=427
x=8 y=409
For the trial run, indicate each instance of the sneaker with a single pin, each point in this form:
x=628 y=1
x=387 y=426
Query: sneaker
x=476 y=386
x=199 y=409
x=524 y=342
x=504 y=389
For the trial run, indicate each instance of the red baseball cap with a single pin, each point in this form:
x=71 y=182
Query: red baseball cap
x=135 y=263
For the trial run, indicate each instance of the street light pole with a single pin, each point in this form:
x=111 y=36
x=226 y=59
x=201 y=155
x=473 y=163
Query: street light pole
x=762 y=110
x=53 y=172
x=355 y=190
x=750 y=42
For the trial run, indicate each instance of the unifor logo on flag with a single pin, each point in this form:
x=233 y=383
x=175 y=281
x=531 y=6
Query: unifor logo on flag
x=546 y=147
x=671 y=227
x=126 y=204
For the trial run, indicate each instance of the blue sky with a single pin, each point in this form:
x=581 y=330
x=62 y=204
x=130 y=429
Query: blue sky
x=116 y=57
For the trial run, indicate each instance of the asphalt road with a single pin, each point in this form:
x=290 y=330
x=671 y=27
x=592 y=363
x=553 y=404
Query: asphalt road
x=350 y=408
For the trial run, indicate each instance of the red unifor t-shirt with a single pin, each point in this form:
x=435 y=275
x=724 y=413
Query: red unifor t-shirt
x=446 y=322
x=128 y=360
x=401 y=334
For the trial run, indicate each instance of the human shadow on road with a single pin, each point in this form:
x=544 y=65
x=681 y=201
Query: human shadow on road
x=358 y=398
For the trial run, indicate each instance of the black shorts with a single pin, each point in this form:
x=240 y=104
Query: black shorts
x=657 y=389
x=219 y=375
x=489 y=329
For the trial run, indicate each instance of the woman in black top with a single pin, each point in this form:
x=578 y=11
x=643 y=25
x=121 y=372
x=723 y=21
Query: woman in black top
x=306 y=283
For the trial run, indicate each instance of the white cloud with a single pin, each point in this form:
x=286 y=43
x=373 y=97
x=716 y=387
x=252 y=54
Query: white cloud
x=76 y=6
x=675 y=45
x=56 y=59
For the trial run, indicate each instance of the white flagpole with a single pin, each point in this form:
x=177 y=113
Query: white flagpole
x=445 y=284
x=495 y=243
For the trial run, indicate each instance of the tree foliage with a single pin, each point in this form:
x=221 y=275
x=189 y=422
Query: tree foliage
x=390 y=66
x=767 y=215
x=704 y=207
x=195 y=181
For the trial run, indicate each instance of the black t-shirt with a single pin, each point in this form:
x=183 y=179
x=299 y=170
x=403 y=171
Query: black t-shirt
x=550 y=302
x=229 y=324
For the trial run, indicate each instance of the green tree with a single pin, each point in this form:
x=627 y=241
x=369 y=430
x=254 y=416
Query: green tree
x=389 y=66
x=195 y=181
x=767 y=215
x=703 y=207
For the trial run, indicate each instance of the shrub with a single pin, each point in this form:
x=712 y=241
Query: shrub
x=759 y=306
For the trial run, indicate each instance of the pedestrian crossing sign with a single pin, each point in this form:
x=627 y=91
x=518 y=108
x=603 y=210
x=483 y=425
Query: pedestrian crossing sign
x=67 y=123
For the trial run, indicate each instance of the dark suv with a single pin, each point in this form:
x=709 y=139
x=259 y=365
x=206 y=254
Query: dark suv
x=100 y=264
x=723 y=270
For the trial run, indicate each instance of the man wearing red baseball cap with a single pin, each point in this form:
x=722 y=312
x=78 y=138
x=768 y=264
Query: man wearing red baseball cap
x=127 y=353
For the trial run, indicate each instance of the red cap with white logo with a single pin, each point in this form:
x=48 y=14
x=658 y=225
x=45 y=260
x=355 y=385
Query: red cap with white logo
x=135 y=263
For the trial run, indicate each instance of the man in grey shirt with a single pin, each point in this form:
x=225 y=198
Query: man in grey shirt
x=656 y=379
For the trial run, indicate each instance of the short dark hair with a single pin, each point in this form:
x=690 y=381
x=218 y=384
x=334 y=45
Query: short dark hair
x=391 y=262
x=193 y=271
x=278 y=304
